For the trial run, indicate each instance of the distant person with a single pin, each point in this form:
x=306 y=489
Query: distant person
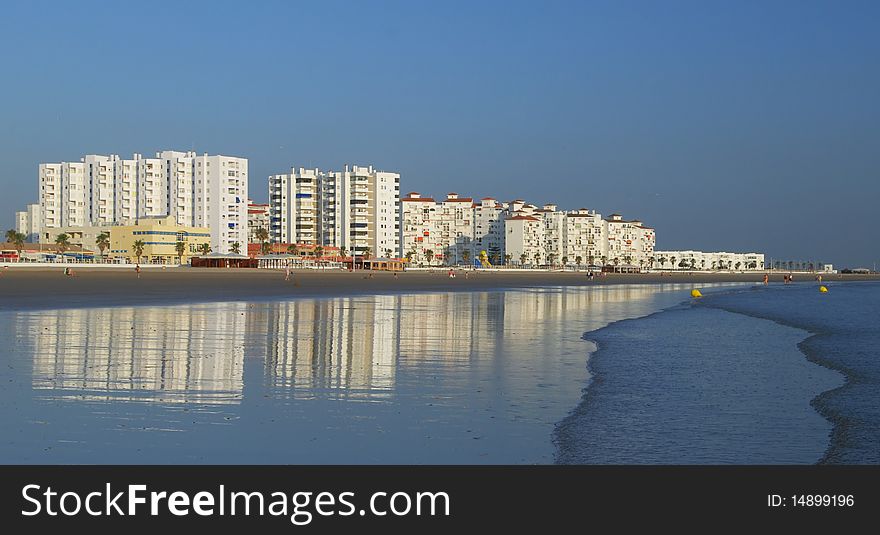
x=395 y=274
x=766 y=279
x=791 y=277
x=287 y=273
x=590 y=275
x=819 y=278
x=137 y=269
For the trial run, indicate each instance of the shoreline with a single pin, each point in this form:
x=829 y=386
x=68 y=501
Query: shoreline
x=607 y=339
x=820 y=402
x=48 y=288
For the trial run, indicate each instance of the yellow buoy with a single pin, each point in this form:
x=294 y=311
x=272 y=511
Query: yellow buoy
x=823 y=289
x=696 y=293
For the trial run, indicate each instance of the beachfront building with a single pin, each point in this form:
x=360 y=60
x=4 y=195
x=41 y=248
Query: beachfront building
x=294 y=214
x=258 y=218
x=630 y=243
x=708 y=261
x=489 y=217
x=361 y=211
x=525 y=238
x=356 y=209
x=585 y=237
x=160 y=236
x=553 y=222
x=28 y=222
x=436 y=233
x=418 y=228
x=85 y=237
x=100 y=190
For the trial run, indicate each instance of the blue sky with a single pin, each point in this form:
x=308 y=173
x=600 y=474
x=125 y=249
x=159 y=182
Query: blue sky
x=724 y=124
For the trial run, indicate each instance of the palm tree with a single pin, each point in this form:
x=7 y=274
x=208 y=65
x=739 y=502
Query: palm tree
x=465 y=255
x=590 y=258
x=737 y=265
x=409 y=255
x=507 y=259
x=662 y=262
x=180 y=247
x=103 y=242
x=138 y=249
x=522 y=258
x=703 y=264
x=293 y=250
x=62 y=243
x=577 y=260
x=429 y=256
x=205 y=248
x=672 y=262
x=263 y=235
x=10 y=235
x=537 y=257
x=495 y=256
x=603 y=259
x=551 y=258
x=343 y=252
x=367 y=252
x=387 y=253
x=319 y=251
x=564 y=260
x=18 y=241
x=236 y=248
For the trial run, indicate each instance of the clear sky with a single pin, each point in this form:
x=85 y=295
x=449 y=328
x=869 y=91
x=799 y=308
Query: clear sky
x=737 y=125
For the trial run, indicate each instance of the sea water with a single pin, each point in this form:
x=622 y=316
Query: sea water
x=775 y=374
x=462 y=377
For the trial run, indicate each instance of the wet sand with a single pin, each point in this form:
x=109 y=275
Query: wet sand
x=38 y=288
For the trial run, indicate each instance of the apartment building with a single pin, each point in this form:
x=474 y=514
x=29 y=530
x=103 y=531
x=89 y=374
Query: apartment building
x=28 y=222
x=489 y=217
x=708 y=261
x=196 y=190
x=629 y=242
x=445 y=228
x=525 y=239
x=294 y=215
x=356 y=209
x=258 y=218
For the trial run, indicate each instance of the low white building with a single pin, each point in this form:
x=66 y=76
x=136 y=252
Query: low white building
x=708 y=261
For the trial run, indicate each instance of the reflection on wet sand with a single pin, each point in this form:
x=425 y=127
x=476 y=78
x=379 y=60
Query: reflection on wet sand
x=345 y=348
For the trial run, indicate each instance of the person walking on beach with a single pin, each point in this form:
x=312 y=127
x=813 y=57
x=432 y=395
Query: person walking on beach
x=766 y=279
x=819 y=278
x=287 y=273
x=137 y=269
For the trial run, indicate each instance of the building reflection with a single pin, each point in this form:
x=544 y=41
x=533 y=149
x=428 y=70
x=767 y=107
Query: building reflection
x=349 y=348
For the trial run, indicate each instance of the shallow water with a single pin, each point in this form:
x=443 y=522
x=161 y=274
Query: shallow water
x=424 y=378
x=846 y=326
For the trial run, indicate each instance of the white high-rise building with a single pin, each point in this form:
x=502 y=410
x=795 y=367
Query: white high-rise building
x=357 y=209
x=586 y=236
x=197 y=190
x=361 y=210
x=293 y=207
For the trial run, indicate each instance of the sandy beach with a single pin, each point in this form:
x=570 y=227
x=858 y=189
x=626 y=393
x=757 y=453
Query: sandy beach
x=49 y=288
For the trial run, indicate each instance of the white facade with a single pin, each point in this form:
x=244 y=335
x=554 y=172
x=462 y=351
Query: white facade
x=197 y=190
x=489 y=217
x=629 y=242
x=708 y=261
x=356 y=209
x=524 y=239
x=585 y=236
x=28 y=222
x=444 y=228
x=258 y=218
x=294 y=213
